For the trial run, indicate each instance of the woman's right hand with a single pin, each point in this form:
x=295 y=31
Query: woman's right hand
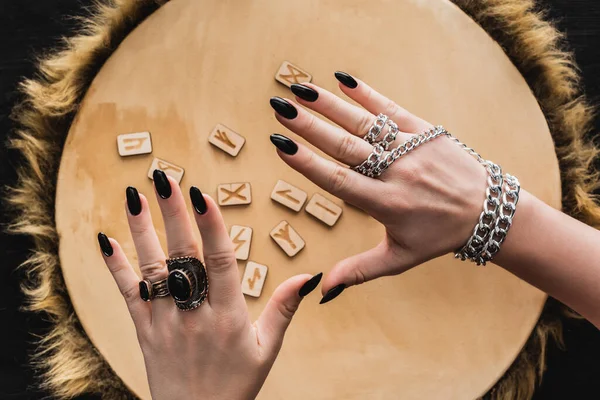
x=429 y=200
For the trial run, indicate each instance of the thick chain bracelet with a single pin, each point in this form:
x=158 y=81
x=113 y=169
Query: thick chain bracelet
x=507 y=210
x=488 y=217
x=489 y=234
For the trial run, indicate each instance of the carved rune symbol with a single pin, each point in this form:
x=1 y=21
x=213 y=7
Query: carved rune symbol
x=294 y=74
x=131 y=146
x=252 y=281
x=236 y=240
x=234 y=194
x=286 y=193
x=164 y=166
x=284 y=233
x=329 y=210
x=222 y=137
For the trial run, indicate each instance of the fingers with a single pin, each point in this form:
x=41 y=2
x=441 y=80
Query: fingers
x=334 y=141
x=127 y=281
x=353 y=119
x=340 y=181
x=278 y=313
x=151 y=257
x=376 y=103
x=374 y=263
x=219 y=256
x=178 y=227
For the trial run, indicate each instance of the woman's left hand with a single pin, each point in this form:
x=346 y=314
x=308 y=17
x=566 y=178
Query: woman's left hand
x=213 y=351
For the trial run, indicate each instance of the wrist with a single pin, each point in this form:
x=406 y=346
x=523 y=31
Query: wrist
x=521 y=232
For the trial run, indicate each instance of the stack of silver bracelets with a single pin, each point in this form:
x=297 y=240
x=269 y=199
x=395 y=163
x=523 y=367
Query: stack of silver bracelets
x=502 y=193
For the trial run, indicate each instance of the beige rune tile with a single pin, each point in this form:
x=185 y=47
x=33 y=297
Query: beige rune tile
x=227 y=140
x=289 y=74
x=131 y=144
x=234 y=194
x=254 y=279
x=324 y=210
x=289 y=195
x=287 y=238
x=241 y=236
x=174 y=171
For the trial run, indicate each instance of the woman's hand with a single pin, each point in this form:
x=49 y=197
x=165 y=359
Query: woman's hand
x=213 y=351
x=429 y=200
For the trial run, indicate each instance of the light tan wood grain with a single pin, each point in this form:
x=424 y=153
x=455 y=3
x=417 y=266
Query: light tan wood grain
x=174 y=171
x=234 y=194
x=324 y=209
x=289 y=195
x=227 y=140
x=131 y=144
x=287 y=238
x=288 y=74
x=444 y=330
x=241 y=236
x=254 y=278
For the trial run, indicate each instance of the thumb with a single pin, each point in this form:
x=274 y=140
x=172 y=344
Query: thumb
x=360 y=268
x=278 y=313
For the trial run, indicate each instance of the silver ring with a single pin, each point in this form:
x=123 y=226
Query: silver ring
x=375 y=130
x=187 y=282
x=150 y=290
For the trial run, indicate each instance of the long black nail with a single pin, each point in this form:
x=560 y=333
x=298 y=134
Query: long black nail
x=133 y=200
x=198 y=200
x=305 y=92
x=284 y=144
x=346 y=79
x=310 y=285
x=162 y=184
x=283 y=108
x=105 y=244
x=333 y=293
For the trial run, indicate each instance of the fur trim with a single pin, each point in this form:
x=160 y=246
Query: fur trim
x=67 y=362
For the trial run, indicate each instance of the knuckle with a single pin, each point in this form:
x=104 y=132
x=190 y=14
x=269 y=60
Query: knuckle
x=346 y=147
x=338 y=180
x=220 y=261
x=151 y=270
x=364 y=124
x=390 y=107
x=140 y=229
x=311 y=124
x=359 y=276
x=287 y=310
x=175 y=212
x=131 y=294
x=183 y=250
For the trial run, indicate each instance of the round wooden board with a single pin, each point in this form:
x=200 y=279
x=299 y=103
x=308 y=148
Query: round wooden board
x=443 y=330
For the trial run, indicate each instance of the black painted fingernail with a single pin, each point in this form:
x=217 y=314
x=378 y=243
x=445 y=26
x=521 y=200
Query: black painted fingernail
x=333 y=293
x=283 y=108
x=133 y=200
x=198 y=200
x=346 y=79
x=105 y=245
x=310 y=285
x=305 y=92
x=284 y=144
x=162 y=184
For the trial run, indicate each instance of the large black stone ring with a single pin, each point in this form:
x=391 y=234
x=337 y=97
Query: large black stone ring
x=187 y=282
x=150 y=290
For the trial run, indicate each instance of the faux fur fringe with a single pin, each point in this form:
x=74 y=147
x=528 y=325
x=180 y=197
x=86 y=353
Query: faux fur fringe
x=68 y=364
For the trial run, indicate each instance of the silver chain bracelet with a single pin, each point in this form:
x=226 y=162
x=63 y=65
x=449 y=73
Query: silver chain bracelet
x=489 y=234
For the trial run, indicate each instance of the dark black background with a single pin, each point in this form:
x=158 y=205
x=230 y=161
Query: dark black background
x=28 y=27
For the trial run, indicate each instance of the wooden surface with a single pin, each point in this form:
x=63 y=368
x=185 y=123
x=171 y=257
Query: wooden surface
x=443 y=330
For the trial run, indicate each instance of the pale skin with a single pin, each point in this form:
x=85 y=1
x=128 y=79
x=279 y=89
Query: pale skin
x=216 y=352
